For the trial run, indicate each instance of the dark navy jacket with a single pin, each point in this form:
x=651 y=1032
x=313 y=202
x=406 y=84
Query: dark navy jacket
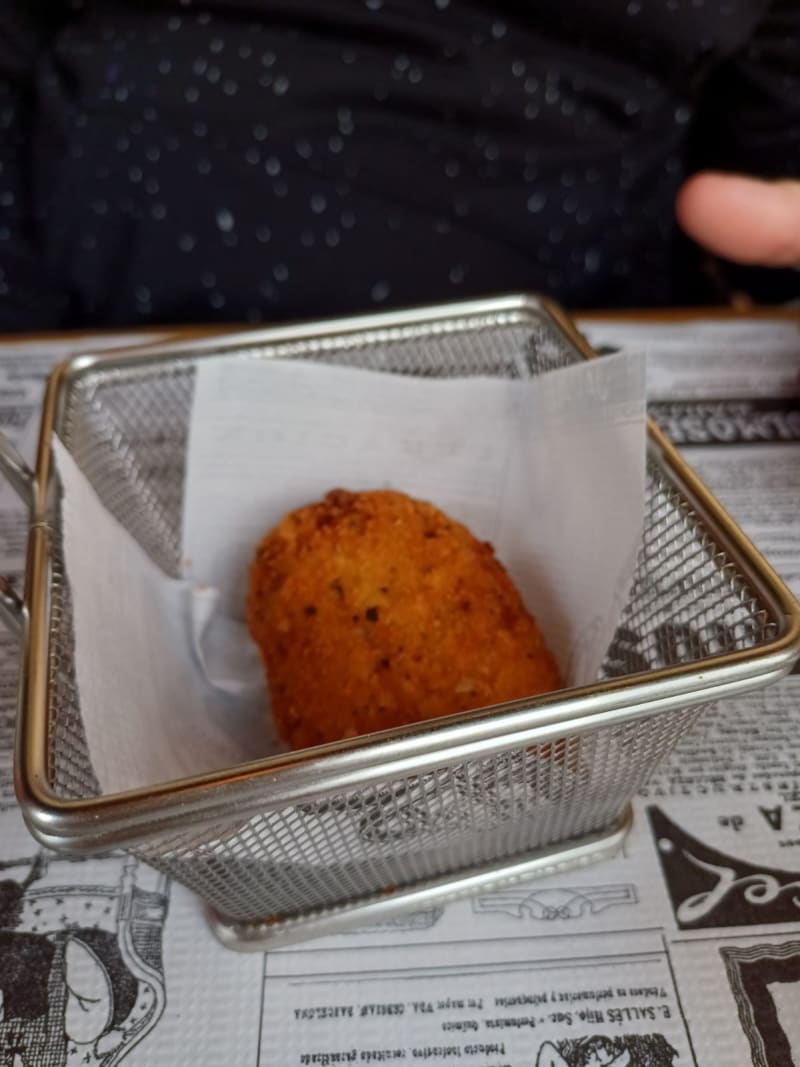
x=271 y=159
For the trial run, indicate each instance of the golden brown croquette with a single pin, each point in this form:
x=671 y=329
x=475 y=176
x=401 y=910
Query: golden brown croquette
x=375 y=610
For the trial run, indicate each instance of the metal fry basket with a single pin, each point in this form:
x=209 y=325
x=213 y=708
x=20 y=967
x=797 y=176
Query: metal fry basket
x=299 y=845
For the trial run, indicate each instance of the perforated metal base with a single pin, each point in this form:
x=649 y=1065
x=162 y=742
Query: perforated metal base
x=256 y=937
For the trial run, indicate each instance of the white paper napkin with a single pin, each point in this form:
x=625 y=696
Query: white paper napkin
x=550 y=470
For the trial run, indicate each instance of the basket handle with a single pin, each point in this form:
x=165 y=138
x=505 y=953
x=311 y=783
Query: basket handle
x=12 y=607
x=16 y=471
x=23 y=481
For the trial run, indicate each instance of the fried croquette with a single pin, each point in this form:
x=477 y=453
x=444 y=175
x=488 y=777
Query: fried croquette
x=374 y=610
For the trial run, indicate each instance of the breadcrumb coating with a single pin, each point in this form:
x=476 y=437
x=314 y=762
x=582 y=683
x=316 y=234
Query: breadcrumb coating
x=375 y=610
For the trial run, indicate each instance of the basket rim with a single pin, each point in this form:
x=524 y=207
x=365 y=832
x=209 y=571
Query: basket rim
x=82 y=825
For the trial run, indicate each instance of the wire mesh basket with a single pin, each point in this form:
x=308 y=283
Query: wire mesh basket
x=297 y=845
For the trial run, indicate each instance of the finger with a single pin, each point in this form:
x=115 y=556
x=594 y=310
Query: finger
x=746 y=220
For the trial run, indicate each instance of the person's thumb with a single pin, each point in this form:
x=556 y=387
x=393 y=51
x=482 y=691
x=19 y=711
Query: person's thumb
x=743 y=219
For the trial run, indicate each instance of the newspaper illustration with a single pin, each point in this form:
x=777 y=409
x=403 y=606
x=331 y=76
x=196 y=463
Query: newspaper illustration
x=549 y=904
x=765 y=980
x=81 y=972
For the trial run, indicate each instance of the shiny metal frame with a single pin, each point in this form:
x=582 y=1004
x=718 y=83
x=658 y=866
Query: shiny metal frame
x=128 y=820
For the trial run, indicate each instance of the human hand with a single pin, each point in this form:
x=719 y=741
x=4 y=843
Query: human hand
x=746 y=220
